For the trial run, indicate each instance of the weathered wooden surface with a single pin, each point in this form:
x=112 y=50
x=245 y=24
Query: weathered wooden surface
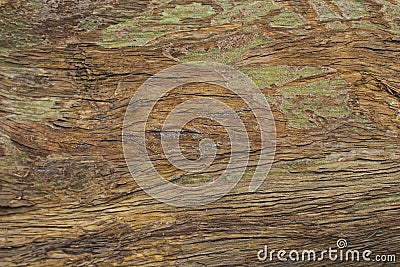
x=330 y=70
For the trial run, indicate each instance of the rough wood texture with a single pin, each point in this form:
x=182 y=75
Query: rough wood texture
x=329 y=68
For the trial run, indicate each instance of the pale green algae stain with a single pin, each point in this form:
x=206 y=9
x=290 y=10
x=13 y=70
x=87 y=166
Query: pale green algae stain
x=224 y=56
x=265 y=76
x=140 y=31
x=352 y=9
x=321 y=99
x=245 y=11
x=324 y=11
x=287 y=19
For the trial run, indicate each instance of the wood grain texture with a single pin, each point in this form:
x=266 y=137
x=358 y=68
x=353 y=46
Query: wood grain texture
x=330 y=70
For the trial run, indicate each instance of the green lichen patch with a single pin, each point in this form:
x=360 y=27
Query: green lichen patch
x=392 y=14
x=190 y=11
x=336 y=26
x=16 y=22
x=9 y=69
x=391 y=11
x=360 y=118
x=140 y=31
x=315 y=105
x=352 y=9
x=193 y=180
x=27 y=108
x=125 y=34
x=11 y=156
x=366 y=25
x=395 y=29
x=300 y=32
x=265 y=76
x=224 y=56
x=287 y=19
x=51 y=173
x=245 y=11
x=212 y=55
x=33 y=110
x=91 y=23
x=339 y=83
x=377 y=203
x=324 y=11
